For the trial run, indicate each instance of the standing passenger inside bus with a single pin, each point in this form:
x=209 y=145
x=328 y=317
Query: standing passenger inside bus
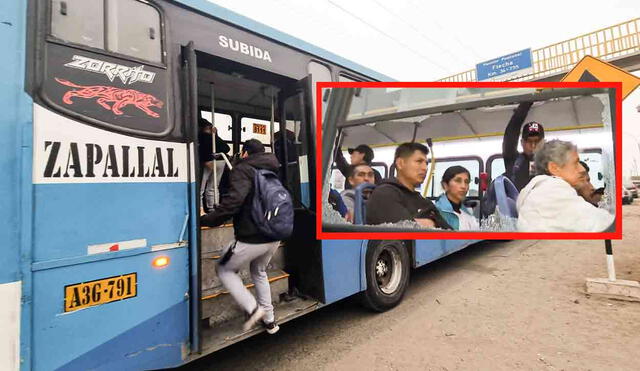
x=250 y=246
x=519 y=167
x=455 y=182
x=396 y=199
x=362 y=154
x=357 y=174
x=205 y=152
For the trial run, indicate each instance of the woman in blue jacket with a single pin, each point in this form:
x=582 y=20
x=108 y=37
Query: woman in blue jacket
x=455 y=182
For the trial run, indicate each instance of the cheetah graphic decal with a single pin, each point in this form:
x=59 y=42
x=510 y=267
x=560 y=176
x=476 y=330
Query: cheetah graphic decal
x=118 y=98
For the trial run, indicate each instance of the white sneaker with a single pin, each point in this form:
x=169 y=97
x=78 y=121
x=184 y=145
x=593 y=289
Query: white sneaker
x=271 y=327
x=254 y=317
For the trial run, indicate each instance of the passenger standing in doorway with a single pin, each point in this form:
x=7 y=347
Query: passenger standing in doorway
x=520 y=167
x=207 y=161
x=250 y=245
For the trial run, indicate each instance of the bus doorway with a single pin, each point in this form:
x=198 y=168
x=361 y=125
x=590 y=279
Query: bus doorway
x=243 y=102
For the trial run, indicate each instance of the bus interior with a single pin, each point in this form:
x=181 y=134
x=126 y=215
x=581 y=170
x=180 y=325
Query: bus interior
x=465 y=127
x=250 y=103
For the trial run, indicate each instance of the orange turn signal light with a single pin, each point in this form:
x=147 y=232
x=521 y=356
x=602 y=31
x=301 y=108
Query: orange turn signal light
x=160 y=262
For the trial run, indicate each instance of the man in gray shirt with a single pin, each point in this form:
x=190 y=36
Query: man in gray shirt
x=356 y=175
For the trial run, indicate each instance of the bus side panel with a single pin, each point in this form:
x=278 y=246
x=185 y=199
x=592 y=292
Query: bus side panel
x=431 y=250
x=15 y=143
x=149 y=330
x=106 y=204
x=342 y=268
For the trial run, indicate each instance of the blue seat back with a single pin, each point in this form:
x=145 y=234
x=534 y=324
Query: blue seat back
x=506 y=195
x=359 y=208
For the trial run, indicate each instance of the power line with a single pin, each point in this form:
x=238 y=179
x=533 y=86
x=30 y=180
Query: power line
x=419 y=32
x=456 y=38
x=406 y=46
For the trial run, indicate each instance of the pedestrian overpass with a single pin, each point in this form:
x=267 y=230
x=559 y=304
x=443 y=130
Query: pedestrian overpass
x=618 y=45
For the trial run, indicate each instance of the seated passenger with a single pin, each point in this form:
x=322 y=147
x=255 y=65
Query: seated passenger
x=549 y=203
x=396 y=199
x=585 y=189
x=357 y=174
x=455 y=182
x=362 y=154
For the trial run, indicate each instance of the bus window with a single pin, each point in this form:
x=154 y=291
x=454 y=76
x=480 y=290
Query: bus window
x=337 y=180
x=594 y=161
x=78 y=21
x=133 y=29
x=496 y=166
x=473 y=165
x=223 y=124
x=252 y=128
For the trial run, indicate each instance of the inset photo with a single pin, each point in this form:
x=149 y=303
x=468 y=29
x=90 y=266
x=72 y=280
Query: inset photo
x=469 y=160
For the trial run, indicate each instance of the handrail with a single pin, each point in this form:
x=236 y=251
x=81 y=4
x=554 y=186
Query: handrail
x=605 y=44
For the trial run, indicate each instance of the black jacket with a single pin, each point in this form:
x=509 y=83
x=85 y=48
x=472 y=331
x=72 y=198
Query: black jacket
x=343 y=166
x=392 y=202
x=516 y=164
x=237 y=203
x=205 y=147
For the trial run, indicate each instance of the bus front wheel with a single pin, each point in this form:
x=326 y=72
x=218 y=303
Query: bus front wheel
x=387 y=270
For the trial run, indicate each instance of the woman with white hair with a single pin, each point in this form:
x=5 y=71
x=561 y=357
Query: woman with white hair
x=549 y=203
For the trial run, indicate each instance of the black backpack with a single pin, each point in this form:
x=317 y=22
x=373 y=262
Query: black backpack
x=272 y=207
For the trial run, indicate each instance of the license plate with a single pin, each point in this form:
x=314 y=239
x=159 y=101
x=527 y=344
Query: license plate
x=98 y=292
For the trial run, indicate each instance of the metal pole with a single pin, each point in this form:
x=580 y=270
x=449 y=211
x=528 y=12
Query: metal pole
x=273 y=118
x=213 y=147
x=611 y=269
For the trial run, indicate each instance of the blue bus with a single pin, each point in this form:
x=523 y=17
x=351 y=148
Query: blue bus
x=105 y=265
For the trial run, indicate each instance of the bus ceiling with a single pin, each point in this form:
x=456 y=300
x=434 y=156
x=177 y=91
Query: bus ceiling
x=379 y=116
x=238 y=87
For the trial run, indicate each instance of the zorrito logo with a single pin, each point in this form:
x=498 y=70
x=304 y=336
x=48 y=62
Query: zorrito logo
x=127 y=74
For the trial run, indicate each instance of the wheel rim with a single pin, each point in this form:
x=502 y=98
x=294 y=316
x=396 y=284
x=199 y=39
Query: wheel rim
x=388 y=270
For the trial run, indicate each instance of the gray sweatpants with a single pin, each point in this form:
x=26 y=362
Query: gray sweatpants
x=258 y=257
x=207 y=183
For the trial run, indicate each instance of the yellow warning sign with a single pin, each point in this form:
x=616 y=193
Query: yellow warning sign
x=591 y=69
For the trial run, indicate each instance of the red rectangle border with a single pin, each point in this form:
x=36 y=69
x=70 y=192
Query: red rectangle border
x=458 y=235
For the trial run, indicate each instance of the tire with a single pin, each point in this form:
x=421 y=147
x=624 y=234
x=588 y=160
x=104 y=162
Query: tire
x=387 y=272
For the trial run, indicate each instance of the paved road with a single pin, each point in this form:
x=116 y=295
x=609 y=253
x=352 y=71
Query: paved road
x=496 y=305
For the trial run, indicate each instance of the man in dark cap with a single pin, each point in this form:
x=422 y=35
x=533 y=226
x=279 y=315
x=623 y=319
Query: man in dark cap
x=362 y=154
x=519 y=167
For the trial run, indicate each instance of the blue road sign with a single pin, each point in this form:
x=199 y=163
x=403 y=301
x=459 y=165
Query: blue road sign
x=508 y=65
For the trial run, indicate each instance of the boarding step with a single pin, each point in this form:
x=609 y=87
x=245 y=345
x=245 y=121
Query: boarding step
x=223 y=335
x=218 y=306
x=210 y=260
x=213 y=239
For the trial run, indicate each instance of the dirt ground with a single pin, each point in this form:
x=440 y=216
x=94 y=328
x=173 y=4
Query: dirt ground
x=494 y=306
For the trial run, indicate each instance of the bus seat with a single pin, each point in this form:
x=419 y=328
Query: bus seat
x=503 y=193
x=359 y=208
x=506 y=196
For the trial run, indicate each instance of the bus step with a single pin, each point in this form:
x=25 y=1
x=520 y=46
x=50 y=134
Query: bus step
x=213 y=239
x=209 y=263
x=223 y=335
x=218 y=306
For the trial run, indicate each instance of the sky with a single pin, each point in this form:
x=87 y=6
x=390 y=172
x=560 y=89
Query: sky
x=412 y=40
